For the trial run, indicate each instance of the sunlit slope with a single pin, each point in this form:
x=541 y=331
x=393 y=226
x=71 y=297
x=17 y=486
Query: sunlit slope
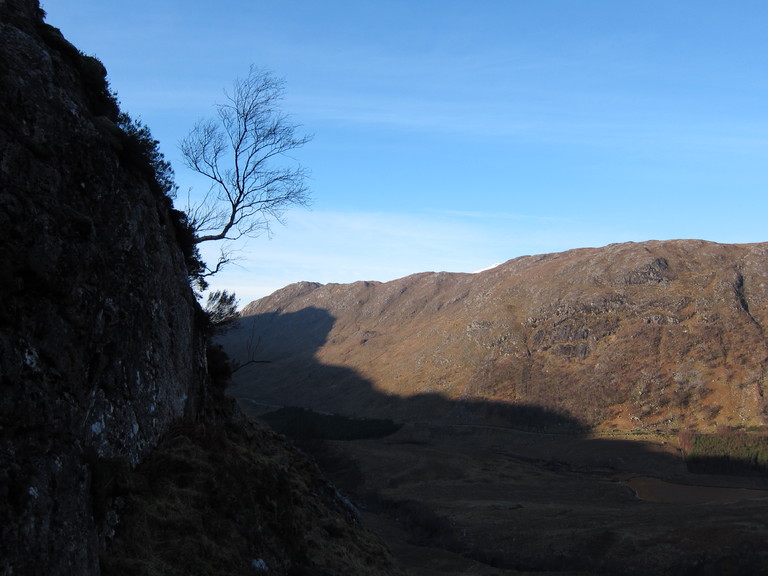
x=637 y=335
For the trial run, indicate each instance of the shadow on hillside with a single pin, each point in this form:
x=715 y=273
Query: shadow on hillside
x=476 y=449
x=279 y=367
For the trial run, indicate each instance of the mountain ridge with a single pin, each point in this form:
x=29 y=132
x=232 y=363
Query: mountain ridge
x=666 y=334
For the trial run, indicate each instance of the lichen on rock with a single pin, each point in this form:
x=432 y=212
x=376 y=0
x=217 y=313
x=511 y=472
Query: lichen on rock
x=84 y=236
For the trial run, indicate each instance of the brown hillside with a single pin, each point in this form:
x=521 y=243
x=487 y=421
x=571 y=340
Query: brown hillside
x=637 y=335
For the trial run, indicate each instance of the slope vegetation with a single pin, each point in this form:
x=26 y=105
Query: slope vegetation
x=660 y=335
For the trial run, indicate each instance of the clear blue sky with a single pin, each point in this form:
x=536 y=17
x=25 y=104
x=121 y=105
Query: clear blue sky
x=453 y=135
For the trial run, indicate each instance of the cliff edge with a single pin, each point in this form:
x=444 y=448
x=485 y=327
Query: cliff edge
x=97 y=358
x=111 y=406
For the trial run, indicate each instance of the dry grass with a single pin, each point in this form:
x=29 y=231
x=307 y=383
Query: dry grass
x=461 y=501
x=214 y=500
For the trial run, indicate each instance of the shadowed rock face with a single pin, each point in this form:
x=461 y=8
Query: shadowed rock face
x=118 y=450
x=98 y=357
x=654 y=334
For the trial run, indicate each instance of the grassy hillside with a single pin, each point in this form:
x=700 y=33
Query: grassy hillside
x=234 y=498
x=656 y=335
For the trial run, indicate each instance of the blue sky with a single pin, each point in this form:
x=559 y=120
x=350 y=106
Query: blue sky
x=453 y=135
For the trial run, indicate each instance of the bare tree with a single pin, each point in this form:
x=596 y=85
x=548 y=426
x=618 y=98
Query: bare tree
x=244 y=152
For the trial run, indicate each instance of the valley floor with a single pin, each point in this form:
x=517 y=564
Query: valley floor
x=471 y=500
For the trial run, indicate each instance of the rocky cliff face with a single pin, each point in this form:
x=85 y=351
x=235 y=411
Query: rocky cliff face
x=656 y=334
x=97 y=357
x=119 y=453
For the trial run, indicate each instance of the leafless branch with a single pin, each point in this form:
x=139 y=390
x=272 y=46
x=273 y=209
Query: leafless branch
x=240 y=153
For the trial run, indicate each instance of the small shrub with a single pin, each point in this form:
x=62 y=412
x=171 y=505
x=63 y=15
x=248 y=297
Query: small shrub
x=302 y=423
x=141 y=150
x=102 y=100
x=185 y=236
x=220 y=366
x=221 y=309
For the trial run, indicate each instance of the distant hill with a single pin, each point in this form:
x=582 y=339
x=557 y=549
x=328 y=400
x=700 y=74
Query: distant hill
x=659 y=334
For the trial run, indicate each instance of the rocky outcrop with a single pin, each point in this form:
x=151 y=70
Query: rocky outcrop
x=98 y=357
x=638 y=335
x=119 y=452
